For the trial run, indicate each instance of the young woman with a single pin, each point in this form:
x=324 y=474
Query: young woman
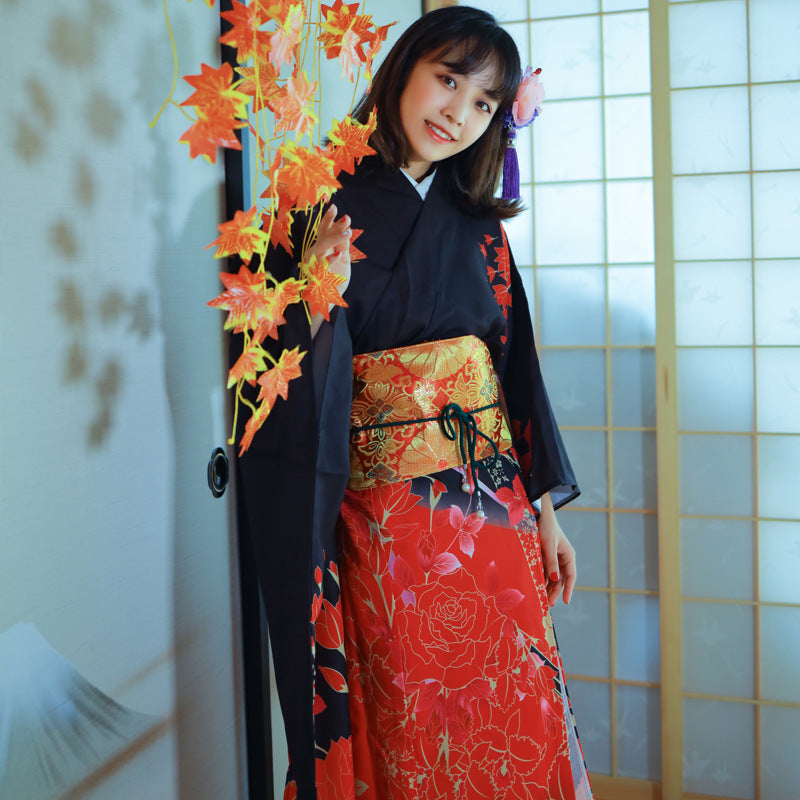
x=407 y=577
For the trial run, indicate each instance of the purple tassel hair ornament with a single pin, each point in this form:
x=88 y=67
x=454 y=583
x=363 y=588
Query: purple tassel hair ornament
x=510 y=161
x=522 y=113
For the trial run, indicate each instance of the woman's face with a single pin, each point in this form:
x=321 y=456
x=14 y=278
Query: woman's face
x=443 y=112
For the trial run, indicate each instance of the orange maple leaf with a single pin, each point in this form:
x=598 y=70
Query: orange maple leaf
x=307 y=175
x=337 y=20
x=252 y=425
x=268 y=316
x=293 y=105
x=247 y=366
x=375 y=40
x=350 y=141
x=274 y=382
x=240 y=236
x=321 y=291
x=277 y=10
x=243 y=296
x=287 y=37
x=215 y=95
x=260 y=83
x=244 y=34
x=207 y=134
x=355 y=253
x=280 y=234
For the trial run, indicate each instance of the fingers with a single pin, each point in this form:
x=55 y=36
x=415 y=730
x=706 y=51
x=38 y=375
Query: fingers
x=569 y=572
x=551 y=570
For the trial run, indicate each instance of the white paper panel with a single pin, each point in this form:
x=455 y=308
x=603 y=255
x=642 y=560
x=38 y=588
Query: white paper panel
x=629 y=220
x=719 y=748
x=773 y=40
x=637 y=638
x=779 y=562
x=594 y=724
x=717 y=558
x=633 y=388
x=567 y=141
x=779 y=653
x=562 y=8
x=778 y=457
x=588 y=534
x=712 y=217
x=576 y=385
x=780 y=733
x=503 y=10
x=713 y=303
x=636 y=551
x=716 y=475
x=776 y=221
x=583 y=633
x=626 y=53
x=710 y=130
x=570 y=51
x=776 y=126
x=639 y=732
x=571 y=306
x=715 y=389
x=778 y=387
x=632 y=304
x=777 y=302
x=570 y=224
x=587 y=451
x=634 y=461
x=628 y=141
x=708 y=43
x=718 y=640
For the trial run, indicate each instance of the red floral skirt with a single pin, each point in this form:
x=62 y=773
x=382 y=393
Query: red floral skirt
x=454 y=677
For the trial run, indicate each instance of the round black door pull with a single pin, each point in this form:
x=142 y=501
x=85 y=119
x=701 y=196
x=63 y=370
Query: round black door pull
x=218 y=472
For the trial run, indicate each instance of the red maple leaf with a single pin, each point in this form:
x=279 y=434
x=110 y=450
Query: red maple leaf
x=206 y=135
x=244 y=34
x=274 y=382
x=259 y=82
x=349 y=140
x=321 y=291
x=307 y=175
x=247 y=366
x=502 y=295
x=240 y=236
x=243 y=296
x=215 y=95
x=337 y=19
x=293 y=105
x=355 y=253
x=267 y=317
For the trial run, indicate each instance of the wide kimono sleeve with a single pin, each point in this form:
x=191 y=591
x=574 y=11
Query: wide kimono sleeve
x=537 y=440
x=292 y=480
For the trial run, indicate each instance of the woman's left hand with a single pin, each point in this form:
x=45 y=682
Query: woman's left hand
x=557 y=553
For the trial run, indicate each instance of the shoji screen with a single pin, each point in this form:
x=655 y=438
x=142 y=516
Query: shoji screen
x=735 y=109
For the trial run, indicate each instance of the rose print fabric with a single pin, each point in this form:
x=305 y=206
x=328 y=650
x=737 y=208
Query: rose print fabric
x=455 y=681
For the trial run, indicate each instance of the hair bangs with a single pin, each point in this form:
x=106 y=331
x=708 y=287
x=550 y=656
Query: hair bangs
x=472 y=54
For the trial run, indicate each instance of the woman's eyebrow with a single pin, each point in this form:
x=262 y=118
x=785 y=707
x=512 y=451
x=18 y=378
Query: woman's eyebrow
x=493 y=92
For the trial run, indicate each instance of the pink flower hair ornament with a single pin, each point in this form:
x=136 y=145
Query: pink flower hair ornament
x=526 y=107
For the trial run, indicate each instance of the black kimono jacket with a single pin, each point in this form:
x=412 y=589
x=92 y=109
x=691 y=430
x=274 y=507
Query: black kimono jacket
x=431 y=272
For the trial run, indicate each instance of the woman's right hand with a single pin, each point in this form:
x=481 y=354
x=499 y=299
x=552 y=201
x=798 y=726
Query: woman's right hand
x=332 y=242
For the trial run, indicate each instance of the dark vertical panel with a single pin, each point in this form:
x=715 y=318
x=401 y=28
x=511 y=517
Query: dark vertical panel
x=254 y=628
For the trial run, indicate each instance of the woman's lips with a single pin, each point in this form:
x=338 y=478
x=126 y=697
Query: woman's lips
x=439 y=134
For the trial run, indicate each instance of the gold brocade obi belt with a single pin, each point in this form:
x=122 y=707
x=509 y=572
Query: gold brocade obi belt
x=424 y=408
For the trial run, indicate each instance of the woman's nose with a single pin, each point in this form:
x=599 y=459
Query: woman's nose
x=456 y=110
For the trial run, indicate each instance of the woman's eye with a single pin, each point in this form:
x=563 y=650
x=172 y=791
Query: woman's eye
x=448 y=81
x=484 y=106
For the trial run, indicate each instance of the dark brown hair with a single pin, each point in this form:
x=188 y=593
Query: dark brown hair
x=467 y=40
